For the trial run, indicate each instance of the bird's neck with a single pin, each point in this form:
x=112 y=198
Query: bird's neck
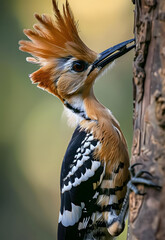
x=86 y=107
x=75 y=106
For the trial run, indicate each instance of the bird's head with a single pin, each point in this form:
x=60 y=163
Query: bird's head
x=67 y=66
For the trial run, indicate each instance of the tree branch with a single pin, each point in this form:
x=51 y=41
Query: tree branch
x=147 y=212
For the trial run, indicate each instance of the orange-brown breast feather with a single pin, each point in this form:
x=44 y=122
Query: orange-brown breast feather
x=106 y=129
x=52 y=39
x=113 y=150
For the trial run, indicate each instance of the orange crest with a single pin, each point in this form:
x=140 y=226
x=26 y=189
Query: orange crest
x=53 y=39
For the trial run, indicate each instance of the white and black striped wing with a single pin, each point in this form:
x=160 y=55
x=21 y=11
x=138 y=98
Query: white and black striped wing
x=80 y=175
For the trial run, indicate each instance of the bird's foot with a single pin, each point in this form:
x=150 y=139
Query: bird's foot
x=137 y=178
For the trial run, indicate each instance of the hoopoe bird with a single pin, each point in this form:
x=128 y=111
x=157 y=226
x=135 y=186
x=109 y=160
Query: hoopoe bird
x=94 y=173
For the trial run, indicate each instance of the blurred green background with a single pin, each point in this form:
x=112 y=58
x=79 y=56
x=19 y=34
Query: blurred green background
x=34 y=135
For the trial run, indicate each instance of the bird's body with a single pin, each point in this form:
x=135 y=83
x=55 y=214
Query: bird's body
x=93 y=190
x=90 y=197
x=94 y=172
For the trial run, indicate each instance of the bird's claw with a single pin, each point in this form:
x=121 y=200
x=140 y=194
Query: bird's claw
x=140 y=173
x=138 y=179
x=132 y=168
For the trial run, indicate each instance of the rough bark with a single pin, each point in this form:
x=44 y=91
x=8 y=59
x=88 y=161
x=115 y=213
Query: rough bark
x=147 y=213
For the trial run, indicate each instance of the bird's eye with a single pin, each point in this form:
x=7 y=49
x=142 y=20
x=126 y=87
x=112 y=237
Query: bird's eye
x=79 y=66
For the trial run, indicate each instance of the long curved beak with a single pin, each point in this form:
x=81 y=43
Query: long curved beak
x=112 y=53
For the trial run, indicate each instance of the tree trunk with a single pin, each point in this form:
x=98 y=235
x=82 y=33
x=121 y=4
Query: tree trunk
x=147 y=213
